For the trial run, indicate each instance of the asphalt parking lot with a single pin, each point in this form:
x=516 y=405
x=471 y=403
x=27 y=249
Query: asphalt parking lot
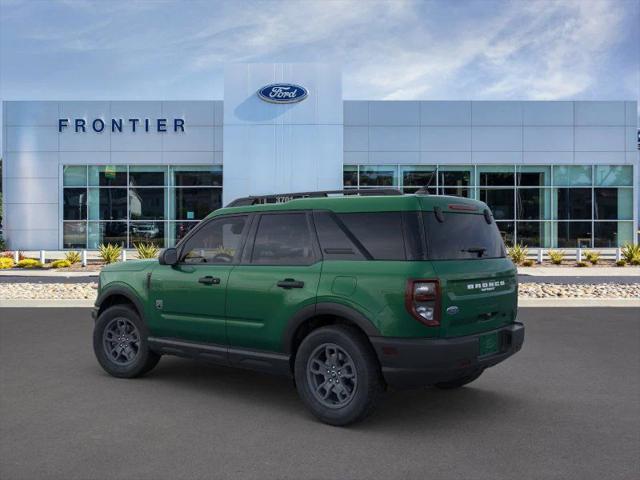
x=567 y=406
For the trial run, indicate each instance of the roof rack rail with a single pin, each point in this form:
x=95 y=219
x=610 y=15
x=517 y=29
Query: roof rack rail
x=285 y=197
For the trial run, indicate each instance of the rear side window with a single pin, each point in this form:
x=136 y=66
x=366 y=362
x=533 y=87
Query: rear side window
x=283 y=239
x=335 y=241
x=462 y=236
x=380 y=233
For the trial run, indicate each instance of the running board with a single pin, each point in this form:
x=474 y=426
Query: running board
x=270 y=362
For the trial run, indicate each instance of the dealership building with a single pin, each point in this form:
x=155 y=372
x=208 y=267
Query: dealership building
x=80 y=173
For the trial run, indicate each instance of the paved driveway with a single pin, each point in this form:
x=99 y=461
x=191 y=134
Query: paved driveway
x=567 y=406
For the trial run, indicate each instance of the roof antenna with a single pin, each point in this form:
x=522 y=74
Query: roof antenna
x=425 y=190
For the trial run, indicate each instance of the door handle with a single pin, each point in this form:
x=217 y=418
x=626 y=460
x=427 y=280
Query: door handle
x=209 y=280
x=290 y=283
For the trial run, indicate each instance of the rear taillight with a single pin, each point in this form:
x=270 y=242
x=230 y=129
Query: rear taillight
x=422 y=299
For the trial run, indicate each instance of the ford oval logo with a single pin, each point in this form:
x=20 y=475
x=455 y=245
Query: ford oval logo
x=283 y=93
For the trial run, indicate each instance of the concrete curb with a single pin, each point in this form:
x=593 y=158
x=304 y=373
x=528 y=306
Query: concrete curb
x=40 y=303
x=578 y=302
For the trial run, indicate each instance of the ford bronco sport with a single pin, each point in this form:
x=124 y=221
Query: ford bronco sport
x=347 y=294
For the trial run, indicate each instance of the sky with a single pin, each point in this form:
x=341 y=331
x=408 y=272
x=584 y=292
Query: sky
x=452 y=49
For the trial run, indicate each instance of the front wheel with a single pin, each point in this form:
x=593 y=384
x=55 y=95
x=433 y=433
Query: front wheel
x=337 y=375
x=120 y=343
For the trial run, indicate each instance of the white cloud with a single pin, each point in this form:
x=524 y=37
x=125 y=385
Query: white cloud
x=536 y=49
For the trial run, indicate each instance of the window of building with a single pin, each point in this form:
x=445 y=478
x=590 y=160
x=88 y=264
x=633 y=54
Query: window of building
x=574 y=234
x=129 y=204
x=500 y=201
x=283 y=239
x=350 y=176
x=415 y=177
x=521 y=196
x=378 y=176
x=573 y=203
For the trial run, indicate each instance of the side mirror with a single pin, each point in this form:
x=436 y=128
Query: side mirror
x=168 y=256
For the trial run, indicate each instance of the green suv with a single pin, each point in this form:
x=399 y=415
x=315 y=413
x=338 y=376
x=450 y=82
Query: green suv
x=347 y=294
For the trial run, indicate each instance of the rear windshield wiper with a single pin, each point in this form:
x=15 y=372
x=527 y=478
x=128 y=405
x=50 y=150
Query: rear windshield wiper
x=479 y=250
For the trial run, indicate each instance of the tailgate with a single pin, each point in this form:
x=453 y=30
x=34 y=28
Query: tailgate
x=476 y=295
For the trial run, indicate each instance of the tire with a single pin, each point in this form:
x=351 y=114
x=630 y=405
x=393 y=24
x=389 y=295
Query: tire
x=339 y=354
x=460 y=381
x=130 y=359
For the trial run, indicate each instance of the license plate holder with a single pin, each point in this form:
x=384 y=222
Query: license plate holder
x=489 y=344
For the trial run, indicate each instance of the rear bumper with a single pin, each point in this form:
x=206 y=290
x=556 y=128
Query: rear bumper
x=410 y=363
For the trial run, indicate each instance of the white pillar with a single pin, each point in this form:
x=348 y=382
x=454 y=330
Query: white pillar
x=42 y=256
x=16 y=256
x=578 y=255
x=123 y=255
x=540 y=255
x=618 y=254
x=84 y=258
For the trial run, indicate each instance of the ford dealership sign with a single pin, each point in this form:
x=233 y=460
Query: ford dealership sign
x=283 y=93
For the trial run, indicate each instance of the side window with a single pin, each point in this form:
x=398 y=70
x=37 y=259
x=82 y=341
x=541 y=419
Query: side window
x=380 y=233
x=334 y=241
x=283 y=239
x=217 y=242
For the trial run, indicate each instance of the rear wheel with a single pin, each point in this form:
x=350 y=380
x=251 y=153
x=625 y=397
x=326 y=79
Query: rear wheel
x=120 y=343
x=460 y=381
x=337 y=375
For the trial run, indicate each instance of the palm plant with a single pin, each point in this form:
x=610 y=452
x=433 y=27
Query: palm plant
x=109 y=253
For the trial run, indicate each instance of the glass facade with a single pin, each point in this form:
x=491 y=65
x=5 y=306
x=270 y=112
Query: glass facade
x=550 y=206
x=129 y=204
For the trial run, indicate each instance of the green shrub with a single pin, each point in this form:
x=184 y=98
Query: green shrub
x=592 y=257
x=29 y=263
x=527 y=263
x=631 y=253
x=582 y=263
x=73 y=257
x=6 y=262
x=61 y=264
x=110 y=253
x=518 y=253
x=621 y=263
x=556 y=256
x=146 y=250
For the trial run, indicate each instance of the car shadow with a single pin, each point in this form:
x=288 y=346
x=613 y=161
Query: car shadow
x=404 y=410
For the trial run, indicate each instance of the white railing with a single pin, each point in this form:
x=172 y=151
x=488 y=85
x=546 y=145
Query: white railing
x=45 y=256
x=540 y=255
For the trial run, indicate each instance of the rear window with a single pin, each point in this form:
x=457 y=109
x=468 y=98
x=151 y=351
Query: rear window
x=462 y=236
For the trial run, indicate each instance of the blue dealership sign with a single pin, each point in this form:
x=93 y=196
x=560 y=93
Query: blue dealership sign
x=283 y=93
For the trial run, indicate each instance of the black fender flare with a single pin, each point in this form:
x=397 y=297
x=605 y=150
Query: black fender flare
x=122 y=290
x=326 y=308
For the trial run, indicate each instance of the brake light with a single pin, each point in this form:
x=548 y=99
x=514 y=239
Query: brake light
x=462 y=207
x=422 y=300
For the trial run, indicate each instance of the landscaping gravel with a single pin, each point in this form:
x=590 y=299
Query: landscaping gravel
x=43 y=291
x=574 y=290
